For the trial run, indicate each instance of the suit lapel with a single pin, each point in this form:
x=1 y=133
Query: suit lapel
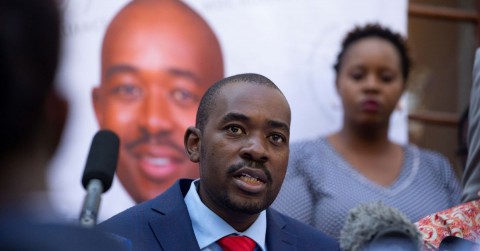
x=277 y=237
x=171 y=224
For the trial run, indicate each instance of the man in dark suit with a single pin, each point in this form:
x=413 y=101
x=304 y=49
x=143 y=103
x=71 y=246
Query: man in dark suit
x=241 y=142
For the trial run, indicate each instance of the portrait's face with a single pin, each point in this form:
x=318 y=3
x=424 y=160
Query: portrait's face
x=244 y=149
x=154 y=73
x=370 y=81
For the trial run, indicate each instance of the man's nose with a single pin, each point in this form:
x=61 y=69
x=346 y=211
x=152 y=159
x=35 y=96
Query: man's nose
x=255 y=149
x=156 y=114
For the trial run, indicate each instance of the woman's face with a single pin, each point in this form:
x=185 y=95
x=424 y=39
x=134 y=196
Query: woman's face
x=370 y=81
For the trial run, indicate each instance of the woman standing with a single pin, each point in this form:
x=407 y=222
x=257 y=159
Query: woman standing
x=328 y=176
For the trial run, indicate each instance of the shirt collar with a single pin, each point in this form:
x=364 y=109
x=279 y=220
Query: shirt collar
x=203 y=218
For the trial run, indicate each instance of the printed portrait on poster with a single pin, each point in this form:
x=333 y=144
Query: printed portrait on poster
x=139 y=68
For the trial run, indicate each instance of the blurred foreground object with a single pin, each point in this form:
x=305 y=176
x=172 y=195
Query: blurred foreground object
x=376 y=226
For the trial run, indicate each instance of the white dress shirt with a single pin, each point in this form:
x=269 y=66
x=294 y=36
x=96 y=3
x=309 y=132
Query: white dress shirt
x=209 y=227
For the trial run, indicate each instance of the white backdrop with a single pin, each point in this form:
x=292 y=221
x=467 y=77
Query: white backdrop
x=293 y=42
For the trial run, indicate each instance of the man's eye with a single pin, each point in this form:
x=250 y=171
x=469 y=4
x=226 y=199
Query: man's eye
x=277 y=138
x=184 y=97
x=127 y=91
x=235 y=130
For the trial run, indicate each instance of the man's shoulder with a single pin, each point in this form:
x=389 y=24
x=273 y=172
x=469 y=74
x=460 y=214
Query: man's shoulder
x=125 y=220
x=297 y=226
x=306 y=235
x=171 y=200
x=155 y=224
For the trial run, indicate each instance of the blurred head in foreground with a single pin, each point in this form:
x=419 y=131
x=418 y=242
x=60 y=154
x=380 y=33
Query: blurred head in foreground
x=33 y=113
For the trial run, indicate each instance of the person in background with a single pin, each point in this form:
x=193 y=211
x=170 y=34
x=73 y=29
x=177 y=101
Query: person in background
x=471 y=175
x=328 y=176
x=158 y=58
x=33 y=115
x=461 y=220
x=241 y=143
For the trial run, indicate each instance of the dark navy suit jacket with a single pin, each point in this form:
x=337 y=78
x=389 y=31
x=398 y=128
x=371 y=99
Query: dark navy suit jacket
x=163 y=223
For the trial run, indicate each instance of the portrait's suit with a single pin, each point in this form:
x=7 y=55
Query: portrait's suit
x=471 y=176
x=163 y=223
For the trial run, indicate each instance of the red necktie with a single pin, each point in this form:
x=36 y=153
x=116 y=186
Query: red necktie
x=236 y=243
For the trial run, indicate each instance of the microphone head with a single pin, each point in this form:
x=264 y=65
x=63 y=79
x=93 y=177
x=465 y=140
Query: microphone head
x=102 y=159
x=376 y=226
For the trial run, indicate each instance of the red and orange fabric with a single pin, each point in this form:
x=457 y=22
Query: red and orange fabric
x=461 y=221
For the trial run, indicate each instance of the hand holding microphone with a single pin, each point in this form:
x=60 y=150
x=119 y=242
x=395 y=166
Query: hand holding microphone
x=376 y=226
x=98 y=174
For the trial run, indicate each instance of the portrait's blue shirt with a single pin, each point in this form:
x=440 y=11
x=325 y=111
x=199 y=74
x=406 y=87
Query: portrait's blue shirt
x=209 y=227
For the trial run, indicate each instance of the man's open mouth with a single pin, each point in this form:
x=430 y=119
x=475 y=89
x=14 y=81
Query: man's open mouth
x=250 y=179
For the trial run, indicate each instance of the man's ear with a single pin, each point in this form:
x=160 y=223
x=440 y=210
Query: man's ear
x=96 y=102
x=192 y=143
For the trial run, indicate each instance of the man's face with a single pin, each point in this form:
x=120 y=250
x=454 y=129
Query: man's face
x=153 y=76
x=244 y=150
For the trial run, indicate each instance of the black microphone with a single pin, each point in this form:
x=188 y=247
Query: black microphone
x=453 y=243
x=376 y=226
x=98 y=174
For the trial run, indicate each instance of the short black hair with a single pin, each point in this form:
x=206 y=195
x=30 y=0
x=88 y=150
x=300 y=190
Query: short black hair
x=376 y=30
x=209 y=99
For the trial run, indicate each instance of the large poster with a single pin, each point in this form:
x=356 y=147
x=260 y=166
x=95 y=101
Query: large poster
x=292 y=42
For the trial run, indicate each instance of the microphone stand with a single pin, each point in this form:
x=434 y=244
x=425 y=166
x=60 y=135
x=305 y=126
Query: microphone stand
x=91 y=204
